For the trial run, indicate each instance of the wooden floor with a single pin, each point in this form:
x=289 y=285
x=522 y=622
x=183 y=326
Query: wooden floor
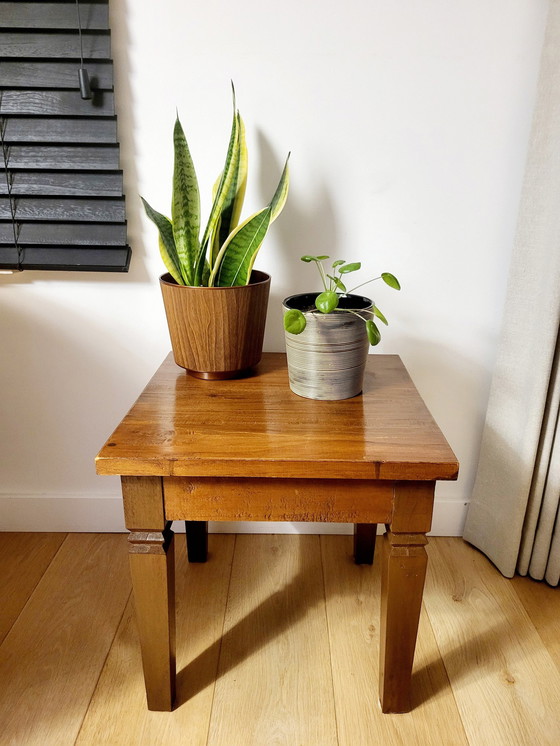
x=277 y=641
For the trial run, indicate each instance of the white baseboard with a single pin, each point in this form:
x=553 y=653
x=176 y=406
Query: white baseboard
x=105 y=515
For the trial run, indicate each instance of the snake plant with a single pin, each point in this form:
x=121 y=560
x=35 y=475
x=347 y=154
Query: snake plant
x=225 y=254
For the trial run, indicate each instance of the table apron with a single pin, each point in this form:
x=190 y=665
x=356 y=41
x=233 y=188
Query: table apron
x=267 y=499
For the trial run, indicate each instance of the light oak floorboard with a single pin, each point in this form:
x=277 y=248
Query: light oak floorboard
x=23 y=560
x=118 y=714
x=542 y=603
x=52 y=657
x=505 y=683
x=353 y=601
x=275 y=684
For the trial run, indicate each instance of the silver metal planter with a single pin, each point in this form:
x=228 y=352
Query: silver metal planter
x=328 y=359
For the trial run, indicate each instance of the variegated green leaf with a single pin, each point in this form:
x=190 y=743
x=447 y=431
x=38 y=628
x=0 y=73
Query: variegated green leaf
x=281 y=194
x=236 y=257
x=167 y=247
x=233 y=204
x=276 y=205
x=228 y=174
x=185 y=207
x=170 y=265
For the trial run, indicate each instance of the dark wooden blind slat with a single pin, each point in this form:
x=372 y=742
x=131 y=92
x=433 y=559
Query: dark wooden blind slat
x=64 y=183
x=19 y=129
x=57 y=103
x=55 y=234
x=71 y=156
x=90 y=259
x=16 y=44
x=68 y=209
x=54 y=15
x=43 y=74
x=63 y=195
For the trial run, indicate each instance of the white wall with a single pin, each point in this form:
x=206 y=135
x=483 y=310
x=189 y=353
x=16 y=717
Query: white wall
x=408 y=124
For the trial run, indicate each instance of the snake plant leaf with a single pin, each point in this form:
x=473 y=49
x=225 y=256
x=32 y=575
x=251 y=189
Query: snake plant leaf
x=167 y=246
x=228 y=174
x=338 y=283
x=236 y=257
x=373 y=333
x=326 y=301
x=276 y=206
x=294 y=321
x=281 y=194
x=380 y=316
x=349 y=267
x=391 y=280
x=170 y=265
x=233 y=203
x=185 y=206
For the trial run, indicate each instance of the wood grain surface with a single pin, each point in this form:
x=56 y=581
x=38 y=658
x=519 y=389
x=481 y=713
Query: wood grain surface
x=244 y=499
x=23 y=559
x=274 y=679
x=51 y=659
x=216 y=330
x=201 y=600
x=353 y=604
x=503 y=677
x=186 y=427
x=484 y=669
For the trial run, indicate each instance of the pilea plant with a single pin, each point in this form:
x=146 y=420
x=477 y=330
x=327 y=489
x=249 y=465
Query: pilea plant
x=334 y=288
x=225 y=254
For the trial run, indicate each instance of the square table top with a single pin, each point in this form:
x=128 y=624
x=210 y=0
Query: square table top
x=256 y=426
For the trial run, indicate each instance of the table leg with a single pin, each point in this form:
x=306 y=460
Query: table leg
x=152 y=567
x=402 y=585
x=197 y=540
x=364 y=543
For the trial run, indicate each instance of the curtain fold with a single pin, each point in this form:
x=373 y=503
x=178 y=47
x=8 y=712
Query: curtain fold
x=514 y=512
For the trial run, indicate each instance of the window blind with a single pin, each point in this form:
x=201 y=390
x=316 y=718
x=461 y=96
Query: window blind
x=62 y=205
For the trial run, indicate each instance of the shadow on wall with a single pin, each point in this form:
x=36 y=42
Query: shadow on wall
x=307 y=226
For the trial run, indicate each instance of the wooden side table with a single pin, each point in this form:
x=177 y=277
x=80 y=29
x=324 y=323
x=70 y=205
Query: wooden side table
x=251 y=450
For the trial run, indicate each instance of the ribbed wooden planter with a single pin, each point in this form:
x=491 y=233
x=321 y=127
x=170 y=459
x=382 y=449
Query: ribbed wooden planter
x=216 y=332
x=328 y=359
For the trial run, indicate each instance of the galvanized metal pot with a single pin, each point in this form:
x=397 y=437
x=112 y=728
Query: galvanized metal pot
x=328 y=359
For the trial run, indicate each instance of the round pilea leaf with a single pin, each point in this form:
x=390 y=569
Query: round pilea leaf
x=327 y=301
x=391 y=280
x=294 y=321
x=352 y=267
x=380 y=316
x=373 y=333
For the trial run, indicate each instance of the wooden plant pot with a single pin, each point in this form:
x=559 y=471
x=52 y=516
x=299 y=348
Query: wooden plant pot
x=216 y=332
x=328 y=359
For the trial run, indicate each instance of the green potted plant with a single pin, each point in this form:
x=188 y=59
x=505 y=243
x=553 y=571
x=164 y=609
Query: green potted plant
x=328 y=333
x=215 y=302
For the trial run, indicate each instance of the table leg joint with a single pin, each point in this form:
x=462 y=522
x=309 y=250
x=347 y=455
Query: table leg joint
x=150 y=542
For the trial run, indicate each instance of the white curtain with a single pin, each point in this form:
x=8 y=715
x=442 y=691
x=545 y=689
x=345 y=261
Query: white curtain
x=514 y=513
